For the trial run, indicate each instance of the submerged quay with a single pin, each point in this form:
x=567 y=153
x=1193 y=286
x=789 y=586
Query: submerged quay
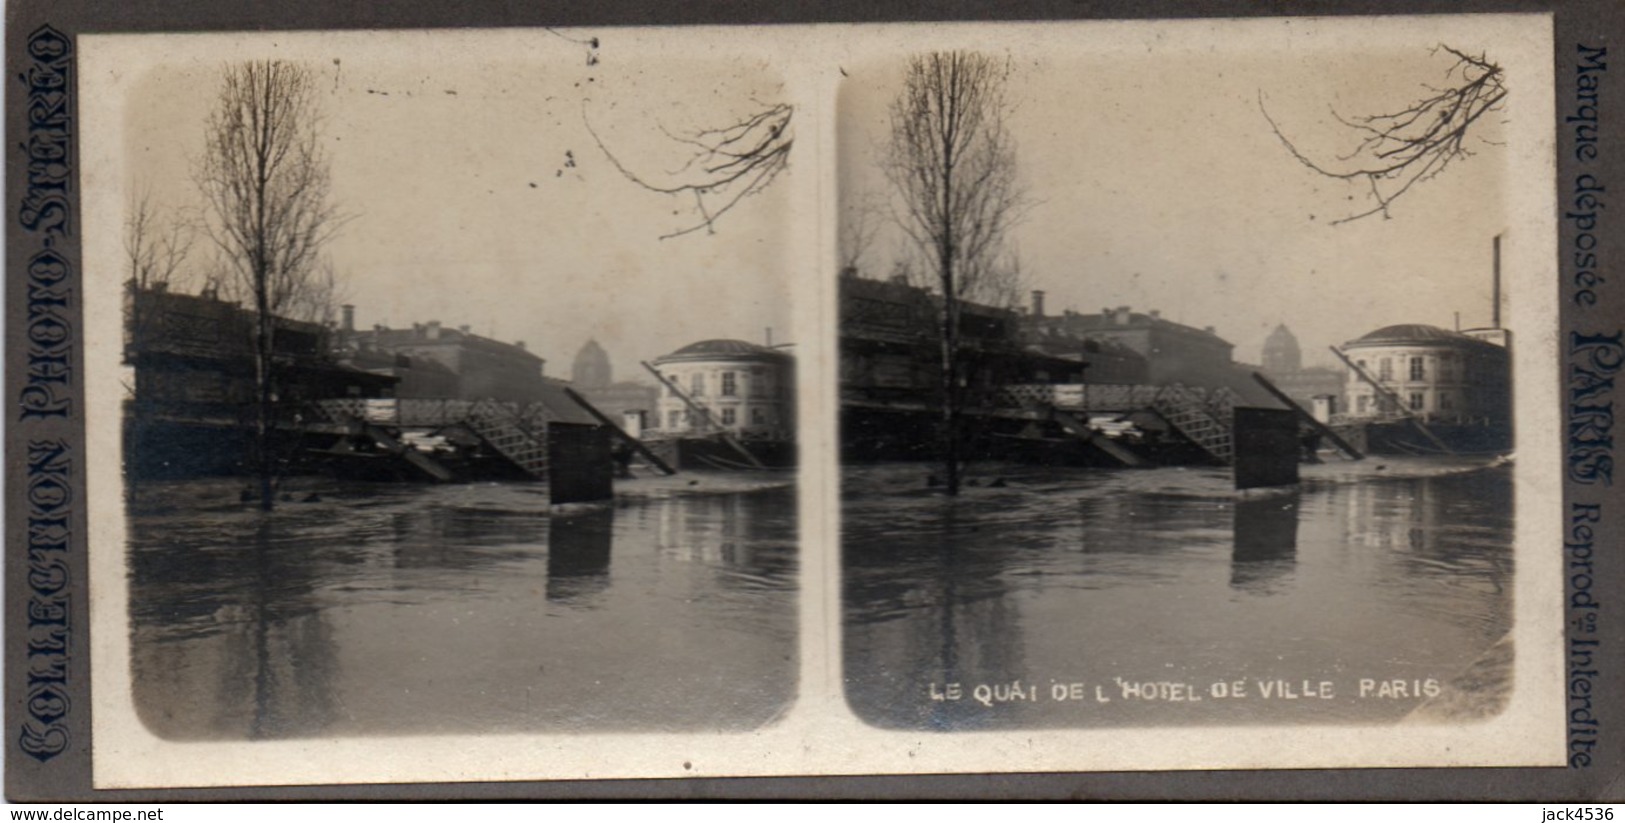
x=1353 y=598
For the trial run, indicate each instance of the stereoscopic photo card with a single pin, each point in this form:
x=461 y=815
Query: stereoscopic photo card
x=404 y=404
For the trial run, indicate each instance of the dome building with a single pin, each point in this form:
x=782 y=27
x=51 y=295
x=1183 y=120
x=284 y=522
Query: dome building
x=592 y=376
x=591 y=368
x=728 y=386
x=1310 y=387
x=1281 y=352
x=1428 y=373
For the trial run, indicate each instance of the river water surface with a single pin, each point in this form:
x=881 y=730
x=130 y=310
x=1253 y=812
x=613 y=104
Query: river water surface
x=388 y=609
x=1168 y=584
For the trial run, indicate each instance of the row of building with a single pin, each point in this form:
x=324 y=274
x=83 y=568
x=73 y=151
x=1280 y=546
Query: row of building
x=705 y=387
x=193 y=362
x=1411 y=372
x=194 y=376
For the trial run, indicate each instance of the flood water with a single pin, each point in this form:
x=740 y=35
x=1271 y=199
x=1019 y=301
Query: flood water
x=401 y=609
x=1183 y=601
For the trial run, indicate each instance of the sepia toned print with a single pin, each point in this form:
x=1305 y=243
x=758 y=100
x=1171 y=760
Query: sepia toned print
x=1270 y=482
x=406 y=420
x=587 y=420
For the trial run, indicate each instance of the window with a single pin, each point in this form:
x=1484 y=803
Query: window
x=696 y=384
x=729 y=417
x=1416 y=401
x=1446 y=401
x=757 y=417
x=1417 y=370
x=674 y=419
x=1385 y=369
x=729 y=387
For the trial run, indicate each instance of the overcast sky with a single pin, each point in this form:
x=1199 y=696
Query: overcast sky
x=476 y=195
x=1156 y=182
x=1154 y=178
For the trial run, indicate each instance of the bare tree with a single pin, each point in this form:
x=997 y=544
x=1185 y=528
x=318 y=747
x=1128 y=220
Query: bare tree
x=856 y=232
x=725 y=165
x=156 y=246
x=953 y=166
x=265 y=179
x=319 y=300
x=998 y=283
x=1400 y=149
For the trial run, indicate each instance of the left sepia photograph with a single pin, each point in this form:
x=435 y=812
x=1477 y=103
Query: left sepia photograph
x=455 y=387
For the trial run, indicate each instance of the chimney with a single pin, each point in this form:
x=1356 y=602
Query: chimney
x=431 y=330
x=1495 y=312
x=1038 y=303
x=519 y=344
x=1210 y=330
x=349 y=318
x=1121 y=316
x=1156 y=314
x=464 y=328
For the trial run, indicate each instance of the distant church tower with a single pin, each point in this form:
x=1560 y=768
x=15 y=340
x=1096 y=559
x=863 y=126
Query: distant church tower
x=591 y=369
x=1281 y=354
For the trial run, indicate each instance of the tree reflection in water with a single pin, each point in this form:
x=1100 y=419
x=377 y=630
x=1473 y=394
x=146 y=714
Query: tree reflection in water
x=1164 y=575
x=459 y=609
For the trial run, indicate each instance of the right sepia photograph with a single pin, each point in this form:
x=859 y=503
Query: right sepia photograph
x=1177 y=388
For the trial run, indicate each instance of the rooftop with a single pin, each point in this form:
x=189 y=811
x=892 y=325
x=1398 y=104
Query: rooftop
x=1413 y=333
x=724 y=349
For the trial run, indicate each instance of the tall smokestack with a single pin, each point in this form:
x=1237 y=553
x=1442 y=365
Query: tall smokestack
x=349 y=317
x=1038 y=303
x=1495 y=313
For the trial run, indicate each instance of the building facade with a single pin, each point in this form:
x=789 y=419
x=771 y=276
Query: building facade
x=891 y=348
x=193 y=405
x=1429 y=373
x=433 y=361
x=194 y=355
x=1173 y=352
x=731 y=386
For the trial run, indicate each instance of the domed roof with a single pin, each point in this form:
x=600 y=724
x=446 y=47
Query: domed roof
x=1283 y=334
x=1411 y=333
x=724 y=349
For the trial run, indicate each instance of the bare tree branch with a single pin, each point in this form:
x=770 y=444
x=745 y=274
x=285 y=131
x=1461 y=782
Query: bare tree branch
x=1416 y=143
x=727 y=164
x=266 y=182
x=155 y=244
x=857 y=232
